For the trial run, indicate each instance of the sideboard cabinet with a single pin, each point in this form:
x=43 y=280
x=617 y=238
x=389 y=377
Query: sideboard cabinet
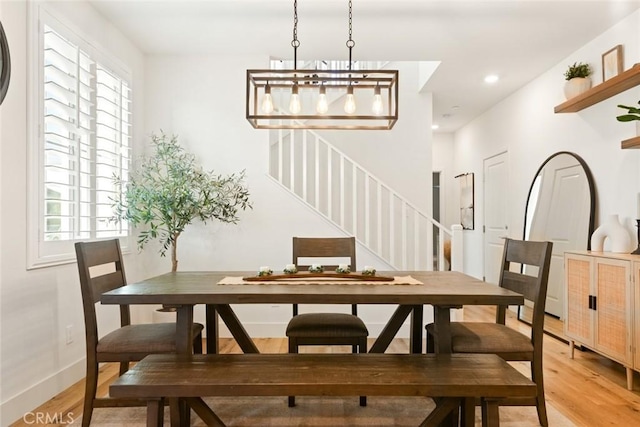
x=601 y=295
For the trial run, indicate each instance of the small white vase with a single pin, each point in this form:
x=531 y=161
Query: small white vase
x=611 y=229
x=576 y=86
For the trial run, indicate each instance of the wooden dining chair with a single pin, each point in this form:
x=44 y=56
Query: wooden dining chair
x=101 y=269
x=497 y=338
x=326 y=328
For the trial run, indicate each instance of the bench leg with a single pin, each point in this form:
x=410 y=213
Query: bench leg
x=204 y=412
x=155 y=412
x=445 y=407
x=293 y=348
x=490 y=413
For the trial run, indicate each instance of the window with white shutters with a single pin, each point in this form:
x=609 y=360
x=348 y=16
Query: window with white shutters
x=83 y=139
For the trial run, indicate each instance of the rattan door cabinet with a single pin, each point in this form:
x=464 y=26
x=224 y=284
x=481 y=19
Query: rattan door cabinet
x=601 y=296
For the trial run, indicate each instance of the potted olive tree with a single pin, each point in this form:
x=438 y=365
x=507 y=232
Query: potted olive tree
x=169 y=190
x=578 y=80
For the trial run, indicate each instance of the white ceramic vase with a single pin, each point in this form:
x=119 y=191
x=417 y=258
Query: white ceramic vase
x=576 y=86
x=618 y=236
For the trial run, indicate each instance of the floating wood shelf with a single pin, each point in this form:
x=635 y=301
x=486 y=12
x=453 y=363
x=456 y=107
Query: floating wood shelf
x=631 y=143
x=613 y=86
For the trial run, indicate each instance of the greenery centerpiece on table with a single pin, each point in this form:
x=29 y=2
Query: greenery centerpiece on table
x=169 y=190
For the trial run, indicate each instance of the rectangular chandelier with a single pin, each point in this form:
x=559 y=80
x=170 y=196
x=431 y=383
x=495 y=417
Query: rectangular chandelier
x=322 y=99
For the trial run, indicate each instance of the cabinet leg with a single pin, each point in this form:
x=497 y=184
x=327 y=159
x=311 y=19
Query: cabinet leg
x=629 y=378
x=572 y=348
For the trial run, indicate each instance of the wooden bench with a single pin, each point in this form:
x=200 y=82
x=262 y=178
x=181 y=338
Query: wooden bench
x=450 y=378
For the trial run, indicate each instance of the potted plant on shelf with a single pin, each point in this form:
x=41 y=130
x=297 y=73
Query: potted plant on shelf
x=633 y=114
x=578 y=80
x=169 y=190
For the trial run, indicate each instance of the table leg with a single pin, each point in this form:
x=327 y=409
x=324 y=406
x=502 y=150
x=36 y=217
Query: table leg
x=184 y=333
x=442 y=325
x=155 y=412
x=490 y=413
x=211 y=325
x=391 y=329
x=417 y=323
x=240 y=334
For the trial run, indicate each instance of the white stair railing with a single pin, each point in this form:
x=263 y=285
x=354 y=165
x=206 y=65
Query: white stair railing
x=359 y=203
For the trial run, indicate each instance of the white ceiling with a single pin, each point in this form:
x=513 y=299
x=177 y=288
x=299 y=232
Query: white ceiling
x=516 y=39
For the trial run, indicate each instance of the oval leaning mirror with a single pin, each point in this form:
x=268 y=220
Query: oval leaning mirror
x=5 y=64
x=560 y=209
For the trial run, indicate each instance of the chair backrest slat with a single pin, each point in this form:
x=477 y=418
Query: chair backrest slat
x=324 y=247
x=106 y=283
x=520 y=283
x=101 y=252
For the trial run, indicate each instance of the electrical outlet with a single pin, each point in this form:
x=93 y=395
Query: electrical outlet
x=69 y=334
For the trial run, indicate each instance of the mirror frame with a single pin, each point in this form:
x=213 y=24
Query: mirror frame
x=592 y=192
x=592 y=209
x=5 y=74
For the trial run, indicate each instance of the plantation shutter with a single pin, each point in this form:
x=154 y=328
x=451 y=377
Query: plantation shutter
x=86 y=133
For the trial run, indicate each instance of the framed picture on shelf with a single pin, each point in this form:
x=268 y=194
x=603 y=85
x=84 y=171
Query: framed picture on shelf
x=612 y=63
x=466 y=200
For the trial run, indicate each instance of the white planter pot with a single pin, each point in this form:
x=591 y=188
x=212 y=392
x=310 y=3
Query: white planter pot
x=576 y=86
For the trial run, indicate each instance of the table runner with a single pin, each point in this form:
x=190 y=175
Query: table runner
x=397 y=280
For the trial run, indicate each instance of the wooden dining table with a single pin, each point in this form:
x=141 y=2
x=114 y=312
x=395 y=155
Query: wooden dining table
x=444 y=290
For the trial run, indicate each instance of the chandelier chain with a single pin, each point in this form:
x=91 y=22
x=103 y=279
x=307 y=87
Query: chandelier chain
x=350 y=42
x=295 y=42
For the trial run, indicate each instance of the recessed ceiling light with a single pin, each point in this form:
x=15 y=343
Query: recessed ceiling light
x=435 y=126
x=491 y=78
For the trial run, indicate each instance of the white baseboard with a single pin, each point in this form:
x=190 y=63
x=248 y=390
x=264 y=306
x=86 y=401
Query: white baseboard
x=24 y=403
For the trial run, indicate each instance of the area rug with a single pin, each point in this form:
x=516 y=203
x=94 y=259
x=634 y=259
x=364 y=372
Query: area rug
x=321 y=412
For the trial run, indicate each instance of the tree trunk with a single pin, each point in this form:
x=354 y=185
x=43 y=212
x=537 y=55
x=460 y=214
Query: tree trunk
x=174 y=258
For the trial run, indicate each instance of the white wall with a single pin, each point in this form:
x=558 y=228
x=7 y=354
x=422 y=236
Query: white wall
x=37 y=305
x=526 y=127
x=443 y=145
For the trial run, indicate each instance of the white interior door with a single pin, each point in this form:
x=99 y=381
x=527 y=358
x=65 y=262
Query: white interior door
x=496 y=175
x=562 y=190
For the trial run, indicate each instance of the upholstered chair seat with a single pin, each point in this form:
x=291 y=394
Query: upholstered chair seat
x=145 y=338
x=327 y=325
x=472 y=337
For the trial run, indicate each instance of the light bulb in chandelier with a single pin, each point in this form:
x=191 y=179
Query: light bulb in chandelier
x=294 y=103
x=350 y=102
x=378 y=106
x=267 y=100
x=322 y=106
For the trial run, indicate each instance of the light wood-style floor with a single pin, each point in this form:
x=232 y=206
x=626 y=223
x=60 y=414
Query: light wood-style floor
x=590 y=390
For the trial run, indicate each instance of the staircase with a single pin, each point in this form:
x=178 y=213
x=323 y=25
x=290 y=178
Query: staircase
x=358 y=203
